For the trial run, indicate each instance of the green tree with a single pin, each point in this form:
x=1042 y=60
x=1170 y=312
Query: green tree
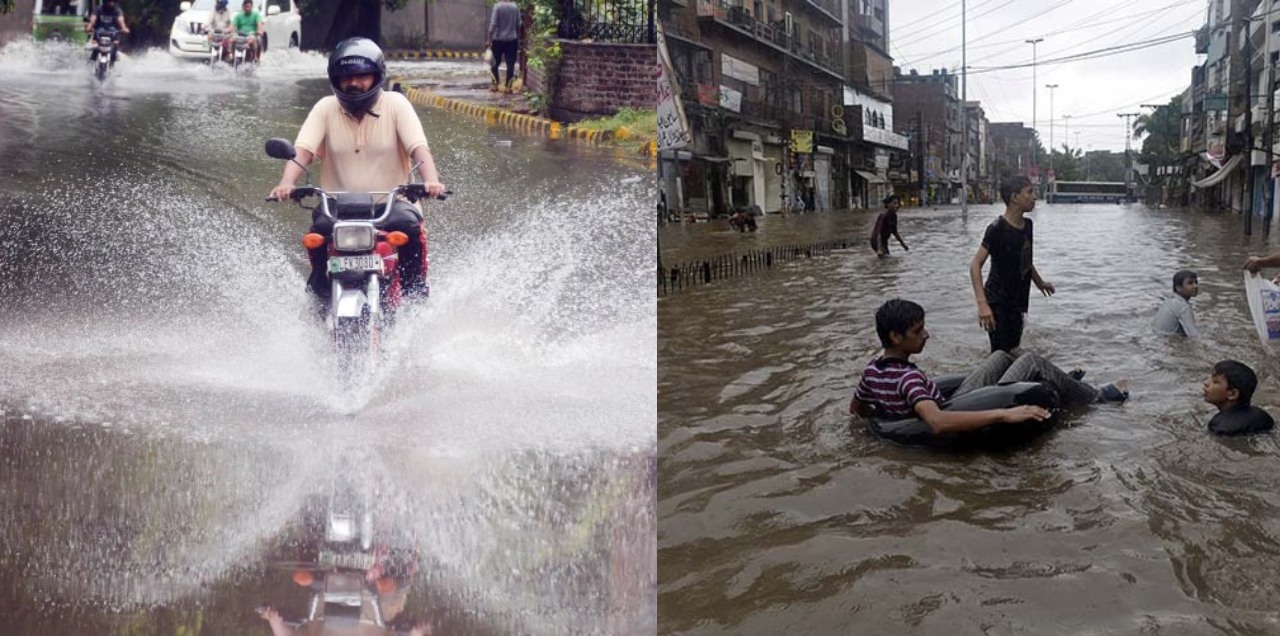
x=1068 y=164
x=1162 y=129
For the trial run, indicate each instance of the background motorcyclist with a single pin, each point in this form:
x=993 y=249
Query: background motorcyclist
x=249 y=24
x=365 y=138
x=107 y=16
x=220 y=20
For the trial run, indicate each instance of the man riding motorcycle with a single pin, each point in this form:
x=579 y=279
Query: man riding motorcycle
x=366 y=138
x=107 y=16
x=249 y=24
x=220 y=20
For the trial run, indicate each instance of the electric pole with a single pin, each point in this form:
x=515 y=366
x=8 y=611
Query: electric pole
x=1248 y=126
x=920 y=156
x=1128 y=155
x=1035 y=161
x=964 y=110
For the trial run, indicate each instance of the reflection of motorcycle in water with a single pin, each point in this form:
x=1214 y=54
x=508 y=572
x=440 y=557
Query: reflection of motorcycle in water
x=355 y=581
x=104 y=43
x=364 y=264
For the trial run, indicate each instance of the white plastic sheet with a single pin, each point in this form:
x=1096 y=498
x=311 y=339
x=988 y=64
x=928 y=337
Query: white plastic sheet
x=1264 y=306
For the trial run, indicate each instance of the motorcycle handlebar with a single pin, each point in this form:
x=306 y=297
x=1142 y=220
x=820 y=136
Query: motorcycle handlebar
x=411 y=191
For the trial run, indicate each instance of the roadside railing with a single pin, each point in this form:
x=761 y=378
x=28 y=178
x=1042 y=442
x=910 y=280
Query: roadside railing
x=705 y=271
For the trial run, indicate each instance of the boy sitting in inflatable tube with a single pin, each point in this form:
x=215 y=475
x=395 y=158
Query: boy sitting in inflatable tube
x=1230 y=388
x=893 y=388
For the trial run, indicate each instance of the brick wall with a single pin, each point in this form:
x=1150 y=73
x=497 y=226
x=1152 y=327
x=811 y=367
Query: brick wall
x=598 y=78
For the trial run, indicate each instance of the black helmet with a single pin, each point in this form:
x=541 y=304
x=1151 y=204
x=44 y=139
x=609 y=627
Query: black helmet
x=220 y=5
x=357 y=56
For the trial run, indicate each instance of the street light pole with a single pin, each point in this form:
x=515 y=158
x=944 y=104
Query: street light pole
x=1066 y=124
x=964 y=109
x=1050 y=87
x=1035 y=160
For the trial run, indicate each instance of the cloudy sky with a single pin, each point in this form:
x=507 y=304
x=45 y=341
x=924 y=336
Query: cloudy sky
x=925 y=35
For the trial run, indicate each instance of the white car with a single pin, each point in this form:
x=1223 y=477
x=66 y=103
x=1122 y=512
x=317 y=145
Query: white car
x=281 y=23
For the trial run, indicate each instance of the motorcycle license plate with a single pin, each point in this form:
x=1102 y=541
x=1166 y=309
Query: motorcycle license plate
x=364 y=263
x=354 y=561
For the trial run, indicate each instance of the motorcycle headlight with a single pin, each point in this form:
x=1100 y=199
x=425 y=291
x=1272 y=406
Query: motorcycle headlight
x=353 y=238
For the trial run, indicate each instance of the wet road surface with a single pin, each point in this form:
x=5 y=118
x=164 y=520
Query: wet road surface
x=170 y=412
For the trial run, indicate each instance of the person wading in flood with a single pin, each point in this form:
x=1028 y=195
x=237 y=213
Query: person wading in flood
x=1003 y=300
x=887 y=225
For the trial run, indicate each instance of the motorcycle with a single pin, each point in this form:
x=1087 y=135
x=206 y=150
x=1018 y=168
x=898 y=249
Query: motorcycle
x=242 y=52
x=364 y=263
x=105 y=42
x=216 y=53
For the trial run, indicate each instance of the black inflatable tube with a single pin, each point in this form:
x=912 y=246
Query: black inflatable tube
x=916 y=432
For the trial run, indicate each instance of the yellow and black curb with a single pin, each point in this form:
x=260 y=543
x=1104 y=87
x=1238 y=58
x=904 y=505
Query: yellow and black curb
x=428 y=55
x=519 y=121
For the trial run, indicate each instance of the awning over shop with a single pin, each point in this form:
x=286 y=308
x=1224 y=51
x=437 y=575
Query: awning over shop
x=869 y=177
x=1217 y=177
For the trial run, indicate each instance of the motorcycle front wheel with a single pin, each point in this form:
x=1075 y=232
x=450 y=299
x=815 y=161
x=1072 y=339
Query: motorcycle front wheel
x=357 y=342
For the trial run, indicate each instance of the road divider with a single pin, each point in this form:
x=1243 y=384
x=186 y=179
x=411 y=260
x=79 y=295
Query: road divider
x=427 y=55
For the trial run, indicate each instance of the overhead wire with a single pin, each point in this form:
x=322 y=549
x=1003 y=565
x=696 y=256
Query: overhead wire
x=1081 y=24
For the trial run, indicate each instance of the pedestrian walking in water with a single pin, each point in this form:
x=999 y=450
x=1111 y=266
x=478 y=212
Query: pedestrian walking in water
x=1003 y=300
x=504 y=40
x=886 y=225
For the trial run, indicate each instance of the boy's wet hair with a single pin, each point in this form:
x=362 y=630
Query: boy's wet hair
x=1012 y=185
x=897 y=315
x=1182 y=276
x=1239 y=377
x=890 y=199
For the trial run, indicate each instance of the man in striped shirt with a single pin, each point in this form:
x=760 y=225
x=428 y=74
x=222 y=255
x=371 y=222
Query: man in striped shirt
x=894 y=388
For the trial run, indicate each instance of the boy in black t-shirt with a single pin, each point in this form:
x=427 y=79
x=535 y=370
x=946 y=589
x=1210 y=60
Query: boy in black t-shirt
x=1003 y=300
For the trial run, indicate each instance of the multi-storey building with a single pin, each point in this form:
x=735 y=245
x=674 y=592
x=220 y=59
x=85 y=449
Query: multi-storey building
x=752 y=72
x=927 y=107
x=1010 y=151
x=979 y=170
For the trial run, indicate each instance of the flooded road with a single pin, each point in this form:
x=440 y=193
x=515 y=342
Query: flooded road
x=171 y=416
x=775 y=514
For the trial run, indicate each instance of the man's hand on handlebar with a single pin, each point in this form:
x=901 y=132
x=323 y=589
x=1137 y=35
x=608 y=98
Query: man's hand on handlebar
x=281 y=192
x=434 y=189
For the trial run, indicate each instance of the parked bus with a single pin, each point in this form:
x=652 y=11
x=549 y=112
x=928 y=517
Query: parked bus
x=61 y=20
x=1086 y=192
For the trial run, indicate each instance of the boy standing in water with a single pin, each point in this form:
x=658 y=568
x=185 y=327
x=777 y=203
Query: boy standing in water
x=886 y=226
x=1174 y=316
x=1003 y=300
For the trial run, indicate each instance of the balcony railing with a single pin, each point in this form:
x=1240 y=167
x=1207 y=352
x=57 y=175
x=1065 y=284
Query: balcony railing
x=775 y=34
x=622 y=21
x=1202 y=39
x=827 y=7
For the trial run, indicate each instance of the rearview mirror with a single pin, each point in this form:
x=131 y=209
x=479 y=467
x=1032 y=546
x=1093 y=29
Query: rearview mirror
x=281 y=149
x=273 y=10
x=185 y=6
